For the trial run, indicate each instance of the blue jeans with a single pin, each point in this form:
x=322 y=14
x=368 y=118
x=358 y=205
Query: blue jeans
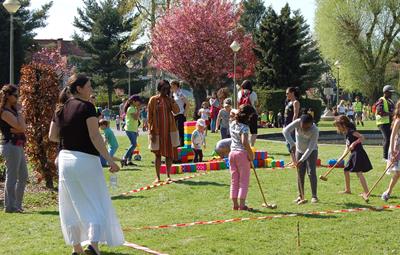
x=225 y=133
x=112 y=152
x=133 y=139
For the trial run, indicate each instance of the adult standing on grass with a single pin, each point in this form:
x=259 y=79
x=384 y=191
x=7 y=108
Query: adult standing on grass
x=383 y=116
x=183 y=103
x=86 y=211
x=358 y=108
x=132 y=113
x=341 y=108
x=163 y=133
x=12 y=127
x=246 y=96
x=292 y=110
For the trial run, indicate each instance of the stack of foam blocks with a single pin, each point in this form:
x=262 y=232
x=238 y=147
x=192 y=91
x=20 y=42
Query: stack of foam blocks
x=261 y=160
x=185 y=153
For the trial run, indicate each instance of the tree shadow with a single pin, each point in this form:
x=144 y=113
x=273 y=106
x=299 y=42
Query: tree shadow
x=125 y=197
x=202 y=183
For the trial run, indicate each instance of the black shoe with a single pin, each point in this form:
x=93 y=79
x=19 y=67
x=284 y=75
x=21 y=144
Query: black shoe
x=90 y=251
x=123 y=163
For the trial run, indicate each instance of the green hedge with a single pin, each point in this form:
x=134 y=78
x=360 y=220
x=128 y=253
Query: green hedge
x=274 y=100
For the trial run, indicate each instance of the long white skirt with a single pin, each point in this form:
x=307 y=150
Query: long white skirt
x=86 y=210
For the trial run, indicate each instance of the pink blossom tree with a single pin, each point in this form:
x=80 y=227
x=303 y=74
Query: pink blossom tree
x=192 y=42
x=52 y=58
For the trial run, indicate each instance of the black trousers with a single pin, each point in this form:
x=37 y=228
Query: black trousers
x=180 y=121
x=198 y=155
x=386 y=132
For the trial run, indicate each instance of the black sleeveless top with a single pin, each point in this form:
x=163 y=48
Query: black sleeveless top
x=5 y=129
x=289 y=113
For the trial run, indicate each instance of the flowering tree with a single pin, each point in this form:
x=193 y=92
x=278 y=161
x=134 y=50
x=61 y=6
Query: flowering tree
x=39 y=93
x=192 y=42
x=53 y=58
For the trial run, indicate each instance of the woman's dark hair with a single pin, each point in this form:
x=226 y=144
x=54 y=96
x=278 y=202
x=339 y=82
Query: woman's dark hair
x=161 y=84
x=75 y=81
x=176 y=83
x=246 y=84
x=295 y=91
x=245 y=114
x=6 y=91
x=62 y=98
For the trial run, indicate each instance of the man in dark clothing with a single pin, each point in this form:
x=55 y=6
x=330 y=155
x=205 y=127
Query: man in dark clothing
x=384 y=112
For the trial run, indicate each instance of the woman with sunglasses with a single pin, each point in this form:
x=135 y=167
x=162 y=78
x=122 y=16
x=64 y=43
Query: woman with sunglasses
x=12 y=127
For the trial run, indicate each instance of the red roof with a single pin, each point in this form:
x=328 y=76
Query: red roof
x=66 y=48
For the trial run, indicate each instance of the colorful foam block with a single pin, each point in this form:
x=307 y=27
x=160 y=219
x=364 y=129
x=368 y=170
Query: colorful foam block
x=189 y=123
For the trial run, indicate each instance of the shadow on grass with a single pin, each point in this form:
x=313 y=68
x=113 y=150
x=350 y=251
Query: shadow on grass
x=125 y=197
x=126 y=169
x=299 y=214
x=114 y=253
x=202 y=183
x=52 y=213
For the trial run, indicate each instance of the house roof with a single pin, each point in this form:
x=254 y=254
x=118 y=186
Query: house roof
x=66 y=47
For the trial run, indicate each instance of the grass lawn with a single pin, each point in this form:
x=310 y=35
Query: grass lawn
x=207 y=198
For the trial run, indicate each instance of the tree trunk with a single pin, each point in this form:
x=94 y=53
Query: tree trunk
x=110 y=87
x=200 y=95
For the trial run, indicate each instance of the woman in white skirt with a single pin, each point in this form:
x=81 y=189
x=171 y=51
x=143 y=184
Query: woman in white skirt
x=85 y=206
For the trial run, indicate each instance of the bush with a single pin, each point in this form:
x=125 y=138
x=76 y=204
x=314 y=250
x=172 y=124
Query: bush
x=274 y=100
x=39 y=90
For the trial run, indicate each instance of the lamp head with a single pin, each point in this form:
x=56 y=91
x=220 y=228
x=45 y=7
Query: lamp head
x=235 y=46
x=12 y=6
x=129 y=64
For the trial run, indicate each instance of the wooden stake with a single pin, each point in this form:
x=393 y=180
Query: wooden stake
x=298 y=234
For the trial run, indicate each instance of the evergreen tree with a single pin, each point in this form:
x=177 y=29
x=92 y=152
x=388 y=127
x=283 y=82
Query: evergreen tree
x=253 y=11
x=25 y=22
x=106 y=31
x=312 y=63
x=287 y=54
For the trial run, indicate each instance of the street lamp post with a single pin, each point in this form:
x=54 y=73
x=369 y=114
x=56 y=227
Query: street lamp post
x=235 y=46
x=129 y=64
x=337 y=64
x=12 y=6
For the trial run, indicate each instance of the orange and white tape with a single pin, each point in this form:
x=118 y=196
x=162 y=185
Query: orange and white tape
x=148 y=187
x=352 y=210
x=142 y=248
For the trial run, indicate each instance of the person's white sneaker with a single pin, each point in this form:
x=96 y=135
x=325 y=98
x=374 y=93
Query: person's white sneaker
x=314 y=200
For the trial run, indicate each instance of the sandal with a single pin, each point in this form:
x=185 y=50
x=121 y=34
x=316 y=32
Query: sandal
x=246 y=208
x=157 y=181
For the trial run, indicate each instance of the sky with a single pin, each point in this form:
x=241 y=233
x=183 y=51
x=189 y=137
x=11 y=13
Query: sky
x=61 y=16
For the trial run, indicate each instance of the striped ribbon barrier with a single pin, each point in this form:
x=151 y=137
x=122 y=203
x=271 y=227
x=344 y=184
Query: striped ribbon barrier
x=148 y=187
x=213 y=222
x=142 y=248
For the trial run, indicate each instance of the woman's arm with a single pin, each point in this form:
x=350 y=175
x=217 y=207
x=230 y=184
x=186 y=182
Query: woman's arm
x=54 y=133
x=98 y=142
x=296 y=109
x=17 y=124
x=150 y=111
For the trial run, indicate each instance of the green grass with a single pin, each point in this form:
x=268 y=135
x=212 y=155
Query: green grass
x=207 y=198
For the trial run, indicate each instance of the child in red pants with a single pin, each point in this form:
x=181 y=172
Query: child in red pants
x=240 y=157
